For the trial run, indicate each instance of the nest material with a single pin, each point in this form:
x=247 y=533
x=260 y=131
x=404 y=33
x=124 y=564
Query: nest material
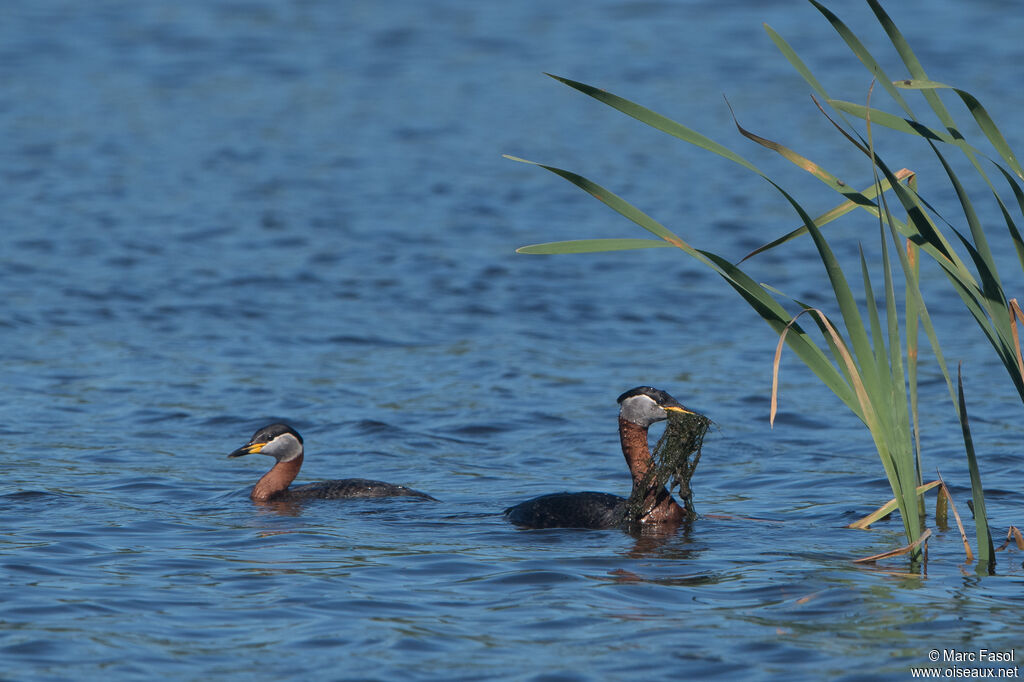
x=675 y=458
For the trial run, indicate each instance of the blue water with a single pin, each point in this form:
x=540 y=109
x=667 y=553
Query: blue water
x=217 y=215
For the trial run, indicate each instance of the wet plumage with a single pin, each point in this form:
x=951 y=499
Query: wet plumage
x=639 y=408
x=569 y=510
x=285 y=445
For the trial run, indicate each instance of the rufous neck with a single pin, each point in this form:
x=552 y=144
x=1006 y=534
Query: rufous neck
x=276 y=480
x=634 y=448
x=658 y=501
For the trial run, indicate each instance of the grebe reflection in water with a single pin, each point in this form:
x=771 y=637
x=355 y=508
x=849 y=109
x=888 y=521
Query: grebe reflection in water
x=639 y=408
x=284 y=444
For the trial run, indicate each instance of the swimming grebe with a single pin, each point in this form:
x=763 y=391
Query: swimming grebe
x=284 y=444
x=640 y=407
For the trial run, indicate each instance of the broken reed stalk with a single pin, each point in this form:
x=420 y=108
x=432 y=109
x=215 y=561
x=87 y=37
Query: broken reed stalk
x=945 y=494
x=1012 y=534
x=943 y=501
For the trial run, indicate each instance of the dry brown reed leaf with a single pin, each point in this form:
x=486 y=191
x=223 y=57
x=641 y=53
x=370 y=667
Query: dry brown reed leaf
x=944 y=490
x=858 y=385
x=911 y=248
x=1012 y=534
x=1016 y=316
x=898 y=552
x=809 y=597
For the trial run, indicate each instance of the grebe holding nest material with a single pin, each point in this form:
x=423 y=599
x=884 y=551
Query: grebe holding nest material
x=650 y=503
x=284 y=444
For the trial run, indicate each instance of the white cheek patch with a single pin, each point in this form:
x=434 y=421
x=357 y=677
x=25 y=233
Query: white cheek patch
x=641 y=409
x=284 y=447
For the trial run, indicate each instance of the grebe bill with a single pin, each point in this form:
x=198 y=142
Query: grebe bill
x=284 y=444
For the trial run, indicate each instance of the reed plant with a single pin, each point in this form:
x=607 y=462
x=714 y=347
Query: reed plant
x=867 y=355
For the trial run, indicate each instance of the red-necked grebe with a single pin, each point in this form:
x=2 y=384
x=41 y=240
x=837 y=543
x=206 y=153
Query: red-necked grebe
x=284 y=444
x=639 y=408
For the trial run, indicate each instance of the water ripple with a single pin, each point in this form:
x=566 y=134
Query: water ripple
x=218 y=216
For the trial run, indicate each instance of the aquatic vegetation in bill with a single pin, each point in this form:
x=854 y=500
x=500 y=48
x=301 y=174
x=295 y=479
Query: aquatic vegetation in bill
x=674 y=459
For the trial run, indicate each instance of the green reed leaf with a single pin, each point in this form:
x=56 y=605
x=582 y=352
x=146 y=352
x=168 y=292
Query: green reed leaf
x=986 y=550
x=862 y=53
x=658 y=122
x=591 y=246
